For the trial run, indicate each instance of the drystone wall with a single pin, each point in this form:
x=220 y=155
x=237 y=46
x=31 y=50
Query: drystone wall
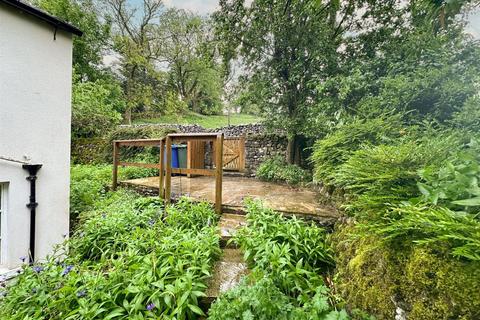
x=259 y=144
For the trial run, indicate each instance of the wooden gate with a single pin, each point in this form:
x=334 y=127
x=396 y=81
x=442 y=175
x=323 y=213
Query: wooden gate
x=234 y=153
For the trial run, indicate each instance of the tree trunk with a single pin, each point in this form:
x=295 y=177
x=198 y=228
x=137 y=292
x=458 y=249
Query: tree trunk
x=294 y=152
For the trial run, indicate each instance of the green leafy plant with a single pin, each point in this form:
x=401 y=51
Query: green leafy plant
x=262 y=300
x=124 y=262
x=276 y=169
x=337 y=147
x=430 y=227
x=455 y=184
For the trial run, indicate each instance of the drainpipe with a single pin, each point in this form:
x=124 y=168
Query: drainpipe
x=32 y=205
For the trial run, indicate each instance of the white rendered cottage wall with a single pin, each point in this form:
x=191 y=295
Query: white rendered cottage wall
x=35 y=95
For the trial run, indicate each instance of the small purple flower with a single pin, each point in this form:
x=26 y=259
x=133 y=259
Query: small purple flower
x=150 y=306
x=38 y=269
x=23 y=258
x=151 y=222
x=81 y=293
x=67 y=270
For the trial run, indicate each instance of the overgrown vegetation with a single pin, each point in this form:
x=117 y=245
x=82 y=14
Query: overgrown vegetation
x=90 y=184
x=289 y=260
x=278 y=170
x=129 y=259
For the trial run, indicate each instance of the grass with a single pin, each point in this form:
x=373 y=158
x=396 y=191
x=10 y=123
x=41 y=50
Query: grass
x=209 y=122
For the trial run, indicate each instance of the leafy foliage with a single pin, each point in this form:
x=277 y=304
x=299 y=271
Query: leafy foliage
x=336 y=148
x=455 y=184
x=431 y=227
x=96 y=108
x=88 y=50
x=287 y=258
x=262 y=300
x=277 y=170
x=89 y=186
x=124 y=263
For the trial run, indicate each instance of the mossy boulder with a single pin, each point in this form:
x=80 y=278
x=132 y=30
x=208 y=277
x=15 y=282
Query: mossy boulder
x=426 y=283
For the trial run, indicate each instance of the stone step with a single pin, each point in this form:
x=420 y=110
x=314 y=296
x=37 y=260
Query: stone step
x=227 y=273
x=229 y=224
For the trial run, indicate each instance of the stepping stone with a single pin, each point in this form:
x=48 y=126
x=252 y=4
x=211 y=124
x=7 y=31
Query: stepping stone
x=229 y=224
x=227 y=273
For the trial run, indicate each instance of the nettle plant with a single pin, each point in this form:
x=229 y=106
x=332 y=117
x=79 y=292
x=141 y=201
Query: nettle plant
x=125 y=262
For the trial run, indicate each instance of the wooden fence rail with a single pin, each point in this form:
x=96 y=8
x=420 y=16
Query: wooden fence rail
x=165 y=166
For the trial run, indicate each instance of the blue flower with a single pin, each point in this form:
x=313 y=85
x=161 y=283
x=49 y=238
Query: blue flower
x=81 y=293
x=38 y=269
x=150 y=306
x=23 y=258
x=67 y=270
x=151 y=222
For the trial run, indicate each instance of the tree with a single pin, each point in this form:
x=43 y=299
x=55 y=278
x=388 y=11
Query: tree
x=88 y=50
x=134 y=41
x=285 y=44
x=187 y=48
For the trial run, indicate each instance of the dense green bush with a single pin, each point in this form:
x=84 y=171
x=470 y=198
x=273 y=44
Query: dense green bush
x=89 y=185
x=277 y=170
x=124 y=262
x=455 y=183
x=336 y=148
x=95 y=108
x=288 y=259
x=263 y=301
x=429 y=227
x=375 y=176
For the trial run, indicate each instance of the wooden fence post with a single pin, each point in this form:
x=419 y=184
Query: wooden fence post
x=161 y=170
x=168 y=174
x=218 y=173
x=115 y=165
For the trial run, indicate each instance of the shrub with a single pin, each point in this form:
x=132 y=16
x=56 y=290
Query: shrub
x=277 y=170
x=263 y=301
x=430 y=227
x=124 y=263
x=89 y=185
x=292 y=252
x=336 y=148
x=375 y=176
x=455 y=184
x=94 y=108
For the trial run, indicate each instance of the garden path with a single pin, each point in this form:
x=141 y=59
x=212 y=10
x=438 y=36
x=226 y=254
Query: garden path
x=280 y=197
x=230 y=268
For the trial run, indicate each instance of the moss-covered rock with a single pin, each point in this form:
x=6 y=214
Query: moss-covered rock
x=425 y=282
x=440 y=287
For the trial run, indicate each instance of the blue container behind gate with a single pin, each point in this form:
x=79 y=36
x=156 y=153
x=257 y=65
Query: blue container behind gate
x=175 y=148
